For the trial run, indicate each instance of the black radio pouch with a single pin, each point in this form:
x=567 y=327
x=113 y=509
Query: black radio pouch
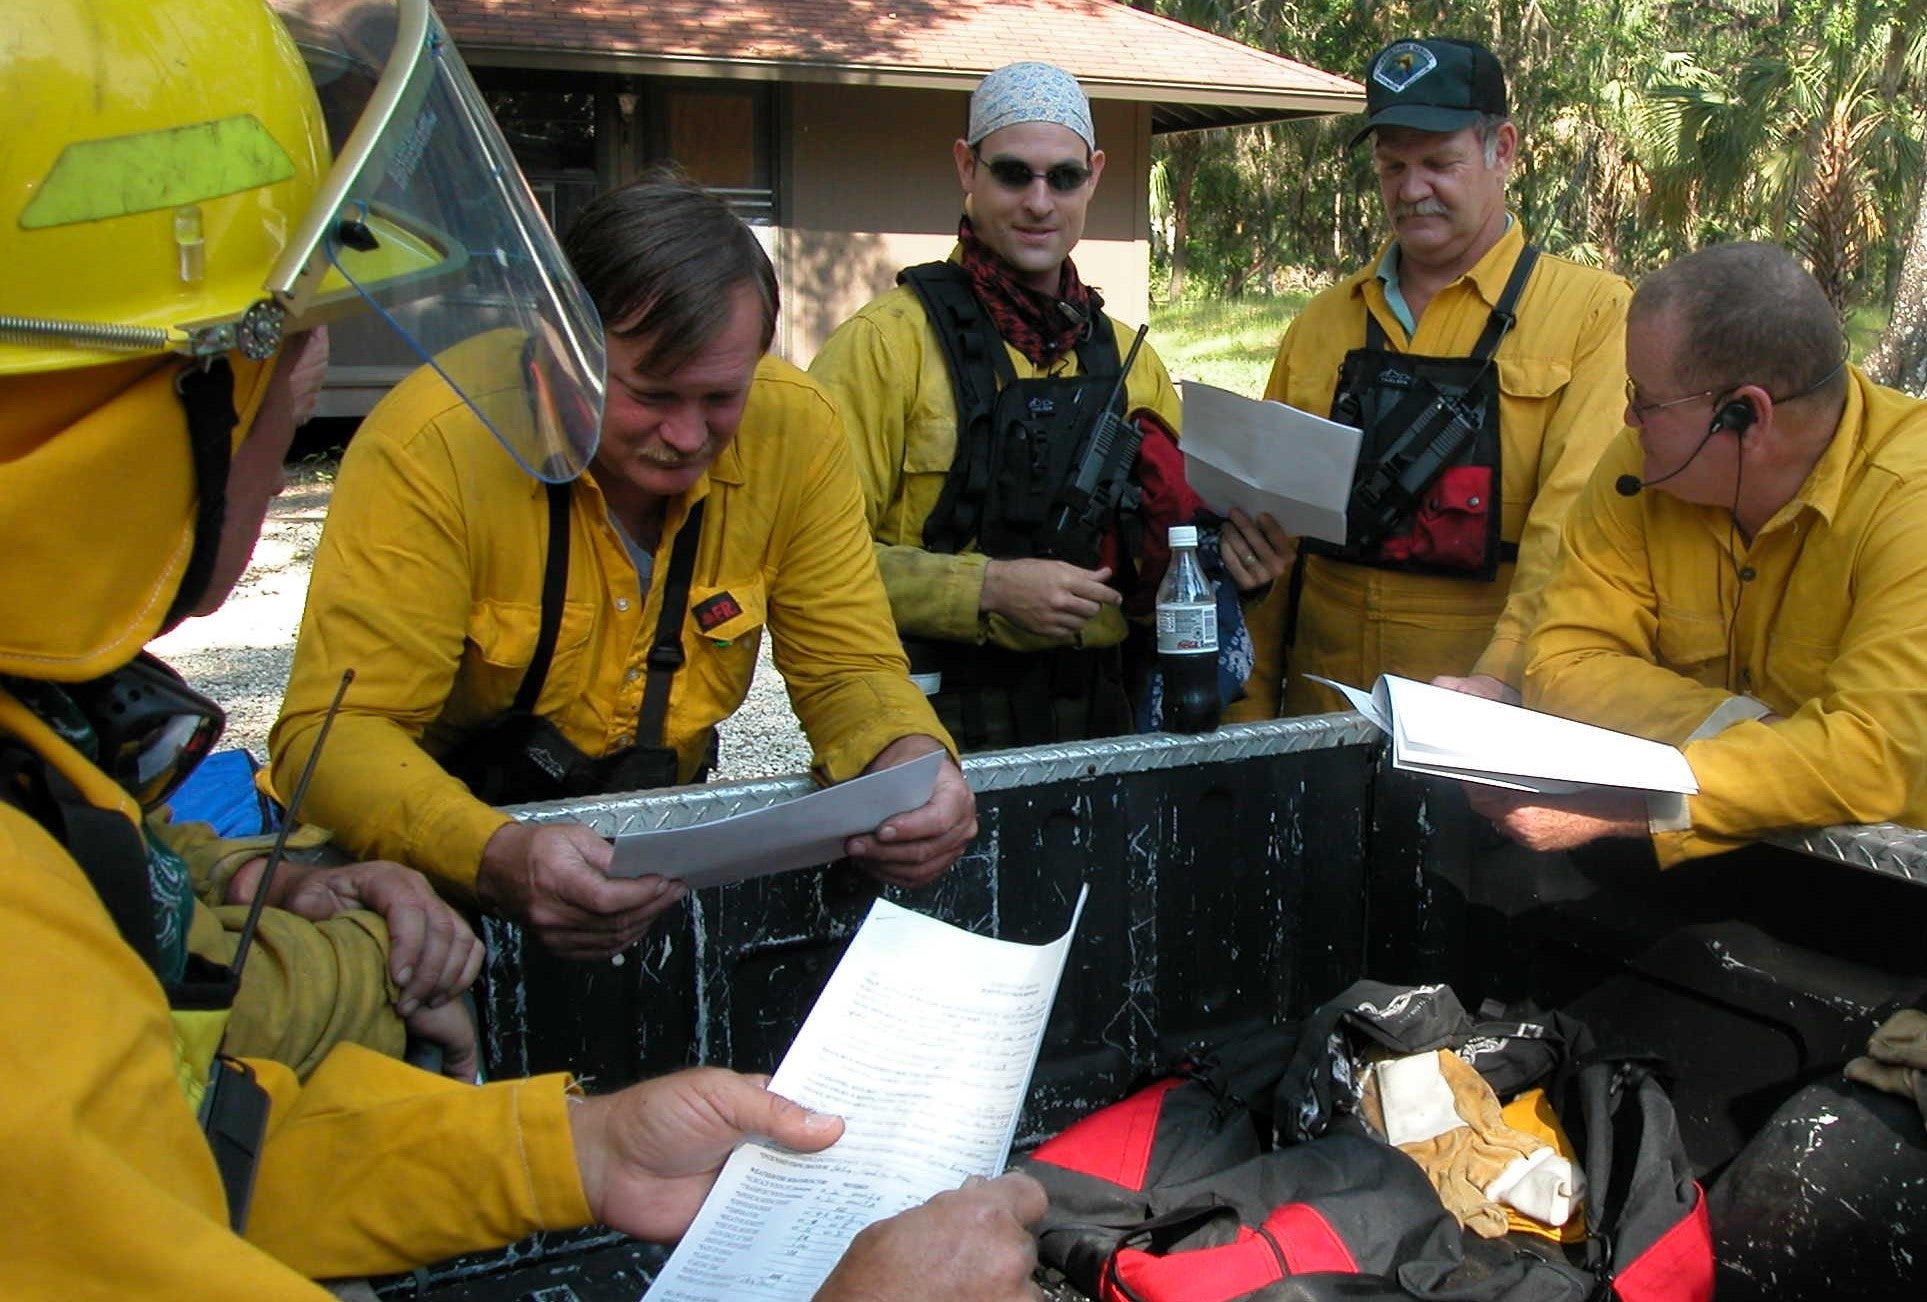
x=1019 y=441
x=1427 y=496
x=520 y=757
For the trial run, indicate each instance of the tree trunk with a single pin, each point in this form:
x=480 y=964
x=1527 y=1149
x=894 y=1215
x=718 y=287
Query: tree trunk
x=1900 y=358
x=1183 y=152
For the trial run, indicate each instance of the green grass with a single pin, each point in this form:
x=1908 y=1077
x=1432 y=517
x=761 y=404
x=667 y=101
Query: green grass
x=1226 y=342
x=1864 y=328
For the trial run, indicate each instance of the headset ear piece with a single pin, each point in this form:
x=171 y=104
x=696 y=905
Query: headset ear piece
x=1736 y=416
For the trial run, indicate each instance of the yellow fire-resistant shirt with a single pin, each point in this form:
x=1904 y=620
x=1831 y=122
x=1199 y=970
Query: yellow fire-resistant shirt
x=428 y=580
x=310 y=985
x=371 y=1167
x=1825 y=610
x=1561 y=392
x=886 y=369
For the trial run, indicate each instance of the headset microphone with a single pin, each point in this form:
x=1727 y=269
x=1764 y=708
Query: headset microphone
x=1736 y=416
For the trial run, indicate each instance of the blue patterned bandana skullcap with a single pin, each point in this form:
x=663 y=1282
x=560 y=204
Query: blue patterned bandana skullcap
x=1029 y=92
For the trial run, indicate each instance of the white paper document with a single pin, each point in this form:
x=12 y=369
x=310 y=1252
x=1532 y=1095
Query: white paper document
x=810 y=829
x=1265 y=456
x=923 y=1042
x=1449 y=734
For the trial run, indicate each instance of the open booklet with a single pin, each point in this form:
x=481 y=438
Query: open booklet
x=798 y=833
x=1265 y=456
x=1452 y=735
x=923 y=1042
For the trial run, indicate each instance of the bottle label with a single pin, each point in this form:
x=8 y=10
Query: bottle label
x=1187 y=630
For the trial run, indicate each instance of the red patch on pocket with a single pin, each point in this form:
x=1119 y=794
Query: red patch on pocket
x=719 y=609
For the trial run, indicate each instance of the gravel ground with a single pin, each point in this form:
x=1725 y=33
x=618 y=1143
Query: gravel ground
x=239 y=655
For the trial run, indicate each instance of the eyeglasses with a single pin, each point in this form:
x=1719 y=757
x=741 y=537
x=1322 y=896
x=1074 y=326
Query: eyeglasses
x=1641 y=410
x=1062 y=178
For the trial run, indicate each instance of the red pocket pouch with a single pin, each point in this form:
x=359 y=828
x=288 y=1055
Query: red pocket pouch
x=1452 y=528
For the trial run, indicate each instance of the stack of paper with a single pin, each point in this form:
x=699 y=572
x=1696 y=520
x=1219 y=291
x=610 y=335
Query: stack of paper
x=798 y=833
x=1265 y=457
x=923 y=1042
x=1452 y=735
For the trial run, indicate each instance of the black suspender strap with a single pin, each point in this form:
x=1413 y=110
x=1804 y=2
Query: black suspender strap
x=1504 y=316
x=108 y=847
x=665 y=654
x=975 y=357
x=555 y=587
x=207 y=395
x=1375 y=334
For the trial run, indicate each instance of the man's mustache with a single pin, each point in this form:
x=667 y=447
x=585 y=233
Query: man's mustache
x=674 y=462
x=1423 y=208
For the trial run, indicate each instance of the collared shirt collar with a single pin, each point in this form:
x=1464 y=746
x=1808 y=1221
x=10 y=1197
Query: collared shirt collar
x=1488 y=274
x=1826 y=484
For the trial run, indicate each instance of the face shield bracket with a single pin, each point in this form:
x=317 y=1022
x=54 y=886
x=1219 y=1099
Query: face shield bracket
x=257 y=336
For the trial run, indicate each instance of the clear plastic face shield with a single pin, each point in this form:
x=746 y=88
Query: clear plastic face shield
x=426 y=221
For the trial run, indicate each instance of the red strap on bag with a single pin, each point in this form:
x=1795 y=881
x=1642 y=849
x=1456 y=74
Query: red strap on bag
x=1294 y=1240
x=1678 y=1267
x=1112 y=1143
x=1309 y=1243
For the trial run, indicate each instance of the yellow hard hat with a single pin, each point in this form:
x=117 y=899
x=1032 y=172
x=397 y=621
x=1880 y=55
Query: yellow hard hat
x=201 y=176
x=160 y=156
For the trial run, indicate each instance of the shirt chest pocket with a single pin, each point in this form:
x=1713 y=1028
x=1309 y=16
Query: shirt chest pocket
x=1796 y=671
x=1692 y=643
x=1529 y=390
x=500 y=644
x=929 y=449
x=727 y=620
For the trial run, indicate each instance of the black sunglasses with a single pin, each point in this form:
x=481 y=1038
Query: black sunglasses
x=1063 y=178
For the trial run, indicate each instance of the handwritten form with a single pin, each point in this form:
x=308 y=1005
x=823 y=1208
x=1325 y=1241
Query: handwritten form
x=1452 y=734
x=1265 y=456
x=799 y=833
x=923 y=1042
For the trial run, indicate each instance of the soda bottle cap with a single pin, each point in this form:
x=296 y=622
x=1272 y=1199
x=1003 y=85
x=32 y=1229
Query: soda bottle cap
x=1184 y=535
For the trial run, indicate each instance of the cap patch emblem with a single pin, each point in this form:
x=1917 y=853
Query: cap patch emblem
x=1402 y=65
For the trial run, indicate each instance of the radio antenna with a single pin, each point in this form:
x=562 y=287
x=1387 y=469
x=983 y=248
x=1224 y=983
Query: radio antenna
x=287 y=825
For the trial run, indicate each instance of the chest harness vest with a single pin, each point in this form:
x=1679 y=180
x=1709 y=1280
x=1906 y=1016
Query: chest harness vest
x=1427 y=496
x=1043 y=468
x=1039 y=470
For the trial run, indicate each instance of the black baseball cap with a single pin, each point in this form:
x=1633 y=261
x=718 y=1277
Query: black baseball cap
x=1432 y=84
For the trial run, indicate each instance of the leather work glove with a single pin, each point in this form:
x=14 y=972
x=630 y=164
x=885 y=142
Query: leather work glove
x=1896 y=1058
x=1438 y=1110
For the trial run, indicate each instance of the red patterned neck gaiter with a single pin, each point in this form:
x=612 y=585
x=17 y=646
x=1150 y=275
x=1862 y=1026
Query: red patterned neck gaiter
x=1042 y=327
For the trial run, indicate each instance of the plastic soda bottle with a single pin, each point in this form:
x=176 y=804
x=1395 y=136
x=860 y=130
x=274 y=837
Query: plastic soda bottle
x=1188 y=638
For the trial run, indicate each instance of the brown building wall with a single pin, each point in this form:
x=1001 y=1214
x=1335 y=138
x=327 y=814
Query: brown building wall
x=870 y=187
